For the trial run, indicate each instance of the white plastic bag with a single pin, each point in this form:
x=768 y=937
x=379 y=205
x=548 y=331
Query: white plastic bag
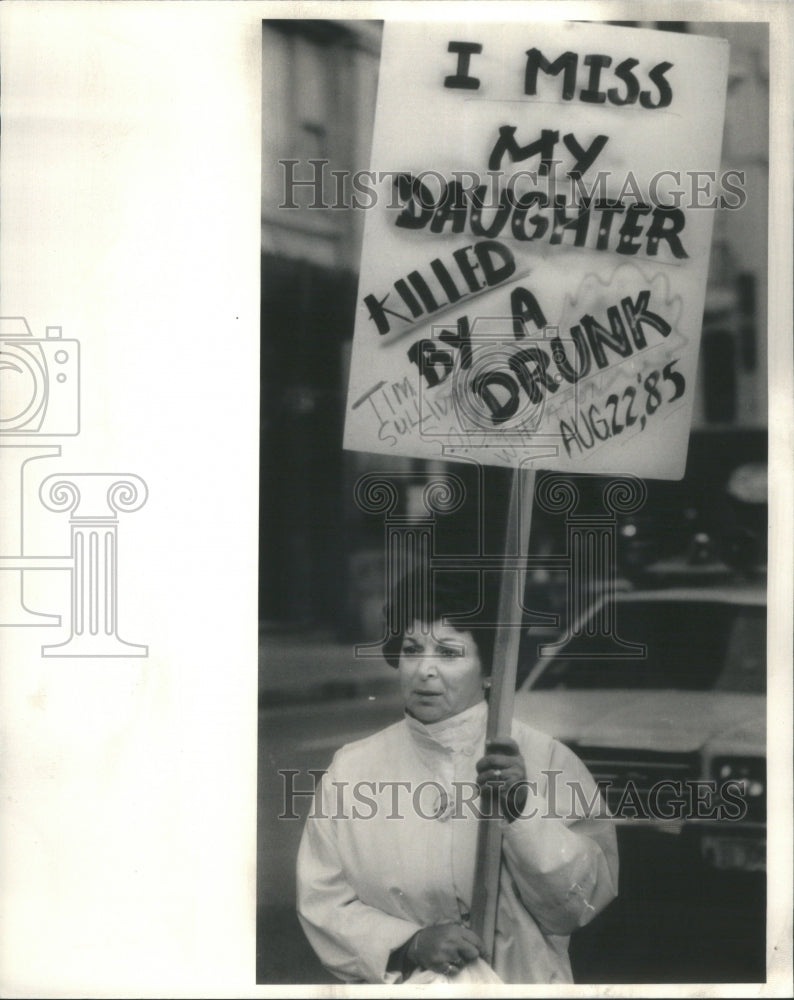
x=477 y=971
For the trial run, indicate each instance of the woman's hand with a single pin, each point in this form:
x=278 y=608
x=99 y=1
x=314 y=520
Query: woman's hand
x=502 y=772
x=444 y=948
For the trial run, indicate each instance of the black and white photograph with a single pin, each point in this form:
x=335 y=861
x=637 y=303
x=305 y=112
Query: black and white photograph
x=513 y=647
x=396 y=435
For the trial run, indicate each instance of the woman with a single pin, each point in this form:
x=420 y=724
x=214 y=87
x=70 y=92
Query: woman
x=386 y=862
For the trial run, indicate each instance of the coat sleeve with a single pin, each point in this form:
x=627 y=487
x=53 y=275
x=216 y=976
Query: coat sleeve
x=561 y=853
x=352 y=939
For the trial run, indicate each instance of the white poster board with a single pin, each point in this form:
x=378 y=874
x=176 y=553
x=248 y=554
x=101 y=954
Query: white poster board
x=536 y=248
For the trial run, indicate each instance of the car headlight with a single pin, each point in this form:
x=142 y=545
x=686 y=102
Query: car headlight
x=749 y=773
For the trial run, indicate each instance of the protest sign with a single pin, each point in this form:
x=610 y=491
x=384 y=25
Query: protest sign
x=540 y=209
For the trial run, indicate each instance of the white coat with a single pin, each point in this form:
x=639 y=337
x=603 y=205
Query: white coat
x=379 y=860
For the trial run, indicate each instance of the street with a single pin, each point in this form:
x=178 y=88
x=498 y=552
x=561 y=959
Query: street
x=299 y=738
x=675 y=919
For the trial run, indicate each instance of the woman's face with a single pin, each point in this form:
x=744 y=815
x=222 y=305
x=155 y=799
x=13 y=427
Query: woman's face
x=440 y=671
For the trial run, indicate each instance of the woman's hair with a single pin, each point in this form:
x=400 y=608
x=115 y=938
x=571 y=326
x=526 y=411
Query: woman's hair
x=427 y=596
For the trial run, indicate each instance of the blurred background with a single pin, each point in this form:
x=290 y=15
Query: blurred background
x=321 y=558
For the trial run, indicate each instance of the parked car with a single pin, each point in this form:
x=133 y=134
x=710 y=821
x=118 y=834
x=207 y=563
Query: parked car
x=662 y=694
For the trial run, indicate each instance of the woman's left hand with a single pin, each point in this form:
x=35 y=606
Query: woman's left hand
x=502 y=772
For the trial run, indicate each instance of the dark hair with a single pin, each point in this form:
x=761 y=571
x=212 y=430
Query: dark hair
x=447 y=595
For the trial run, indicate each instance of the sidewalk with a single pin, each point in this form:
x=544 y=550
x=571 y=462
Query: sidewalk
x=314 y=666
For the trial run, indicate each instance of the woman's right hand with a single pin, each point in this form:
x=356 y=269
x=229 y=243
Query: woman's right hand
x=444 y=948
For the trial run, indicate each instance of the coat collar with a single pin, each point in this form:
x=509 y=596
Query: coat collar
x=460 y=732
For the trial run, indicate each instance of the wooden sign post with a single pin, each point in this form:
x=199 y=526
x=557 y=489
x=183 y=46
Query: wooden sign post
x=500 y=704
x=536 y=246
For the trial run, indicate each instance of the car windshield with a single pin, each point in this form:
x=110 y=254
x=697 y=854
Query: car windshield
x=692 y=646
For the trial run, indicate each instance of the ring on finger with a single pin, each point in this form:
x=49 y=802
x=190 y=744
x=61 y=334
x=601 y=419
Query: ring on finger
x=497 y=773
